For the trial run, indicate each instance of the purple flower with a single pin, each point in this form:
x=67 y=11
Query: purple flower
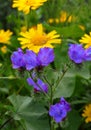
x=45 y=56
x=76 y=53
x=39 y=85
x=58 y=112
x=17 y=59
x=88 y=54
x=65 y=103
x=30 y=59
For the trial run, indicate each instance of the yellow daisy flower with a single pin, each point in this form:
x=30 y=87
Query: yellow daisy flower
x=87 y=113
x=5 y=36
x=26 y=5
x=86 y=39
x=34 y=39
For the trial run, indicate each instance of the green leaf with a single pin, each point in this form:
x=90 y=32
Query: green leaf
x=33 y=114
x=74 y=121
x=66 y=86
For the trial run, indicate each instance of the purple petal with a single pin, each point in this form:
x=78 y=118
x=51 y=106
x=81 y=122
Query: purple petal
x=65 y=104
x=43 y=86
x=39 y=85
x=45 y=56
x=58 y=112
x=30 y=59
x=17 y=59
x=76 y=53
x=32 y=83
x=88 y=54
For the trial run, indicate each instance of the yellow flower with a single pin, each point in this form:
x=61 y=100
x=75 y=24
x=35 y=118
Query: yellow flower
x=86 y=39
x=4 y=49
x=34 y=39
x=51 y=20
x=5 y=36
x=71 y=18
x=26 y=5
x=82 y=27
x=87 y=113
x=23 y=29
x=63 y=16
x=56 y=20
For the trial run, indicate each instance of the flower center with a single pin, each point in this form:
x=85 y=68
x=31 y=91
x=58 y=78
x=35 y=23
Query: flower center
x=39 y=40
x=28 y=3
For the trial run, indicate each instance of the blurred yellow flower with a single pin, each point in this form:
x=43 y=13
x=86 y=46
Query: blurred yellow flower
x=71 y=18
x=23 y=29
x=4 y=49
x=82 y=27
x=34 y=39
x=86 y=39
x=5 y=36
x=87 y=113
x=26 y=5
x=56 y=20
x=63 y=16
x=51 y=20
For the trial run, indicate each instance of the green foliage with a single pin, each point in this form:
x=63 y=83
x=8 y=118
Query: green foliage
x=20 y=107
x=32 y=115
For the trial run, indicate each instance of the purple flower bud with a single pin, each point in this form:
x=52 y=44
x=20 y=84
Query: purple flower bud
x=76 y=53
x=45 y=56
x=39 y=85
x=17 y=59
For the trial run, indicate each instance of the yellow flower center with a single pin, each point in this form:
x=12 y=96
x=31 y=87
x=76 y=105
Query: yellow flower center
x=28 y=3
x=39 y=40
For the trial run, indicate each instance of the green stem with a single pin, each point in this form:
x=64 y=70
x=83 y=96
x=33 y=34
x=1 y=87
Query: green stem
x=51 y=102
x=61 y=77
x=46 y=80
x=26 y=21
x=8 y=77
x=6 y=122
x=20 y=89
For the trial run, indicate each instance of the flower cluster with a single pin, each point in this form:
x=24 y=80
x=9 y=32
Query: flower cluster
x=78 y=54
x=30 y=60
x=59 y=110
x=63 y=18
